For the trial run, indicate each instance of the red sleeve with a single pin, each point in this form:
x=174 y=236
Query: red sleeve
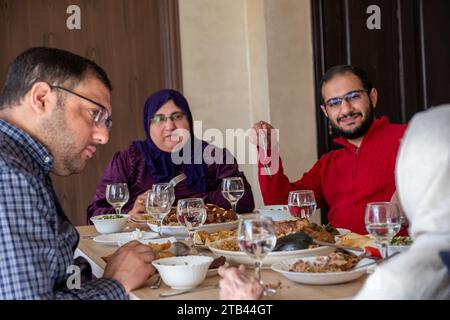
x=276 y=187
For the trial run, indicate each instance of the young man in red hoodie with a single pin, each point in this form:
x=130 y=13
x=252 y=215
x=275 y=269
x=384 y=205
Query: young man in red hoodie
x=344 y=180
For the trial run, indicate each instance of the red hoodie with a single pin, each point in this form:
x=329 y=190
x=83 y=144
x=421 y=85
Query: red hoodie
x=346 y=180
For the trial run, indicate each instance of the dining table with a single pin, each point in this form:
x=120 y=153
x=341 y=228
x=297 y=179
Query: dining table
x=286 y=289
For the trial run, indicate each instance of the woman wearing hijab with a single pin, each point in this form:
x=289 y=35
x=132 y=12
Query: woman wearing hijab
x=423 y=186
x=166 y=117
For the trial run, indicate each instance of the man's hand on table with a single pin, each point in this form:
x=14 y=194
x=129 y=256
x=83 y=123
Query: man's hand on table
x=131 y=265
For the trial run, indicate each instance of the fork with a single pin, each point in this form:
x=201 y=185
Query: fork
x=263 y=138
x=176 y=180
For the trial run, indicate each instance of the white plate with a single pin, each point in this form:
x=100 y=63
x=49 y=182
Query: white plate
x=132 y=219
x=239 y=257
x=147 y=241
x=343 y=232
x=318 y=278
x=113 y=239
x=180 y=231
x=276 y=207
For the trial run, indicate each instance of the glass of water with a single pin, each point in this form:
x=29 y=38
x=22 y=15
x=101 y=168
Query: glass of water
x=191 y=213
x=256 y=237
x=165 y=186
x=117 y=195
x=158 y=205
x=302 y=203
x=383 y=221
x=233 y=190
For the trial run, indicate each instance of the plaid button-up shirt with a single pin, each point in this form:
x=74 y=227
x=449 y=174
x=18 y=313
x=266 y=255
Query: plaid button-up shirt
x=37 y=241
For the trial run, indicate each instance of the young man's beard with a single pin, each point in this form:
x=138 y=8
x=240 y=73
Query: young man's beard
x=359 y=131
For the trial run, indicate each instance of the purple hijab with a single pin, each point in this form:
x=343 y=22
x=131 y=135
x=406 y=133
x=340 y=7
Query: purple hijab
x=159 y=162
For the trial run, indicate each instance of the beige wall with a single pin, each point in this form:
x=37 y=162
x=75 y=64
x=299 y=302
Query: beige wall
x=250 y=60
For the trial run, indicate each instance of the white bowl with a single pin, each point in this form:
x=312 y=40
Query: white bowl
x=109 y=225
x=183 y=272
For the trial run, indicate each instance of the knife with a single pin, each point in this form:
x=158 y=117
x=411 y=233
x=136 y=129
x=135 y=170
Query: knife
x=178 y=292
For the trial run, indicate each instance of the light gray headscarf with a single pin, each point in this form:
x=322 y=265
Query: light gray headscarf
x=423 y=185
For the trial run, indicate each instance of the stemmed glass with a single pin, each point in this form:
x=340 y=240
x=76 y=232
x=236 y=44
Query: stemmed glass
x=191 y=213
x=117 y=195
x=233 y=190
x=383 y=221
x=165 y=186
x=158 y=205
x=256 y=237
x=302 y=203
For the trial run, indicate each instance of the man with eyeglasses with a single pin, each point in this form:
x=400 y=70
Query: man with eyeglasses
x=362 y=171
x=54 y=111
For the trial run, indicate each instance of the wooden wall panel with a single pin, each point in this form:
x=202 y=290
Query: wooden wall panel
x=136 y=42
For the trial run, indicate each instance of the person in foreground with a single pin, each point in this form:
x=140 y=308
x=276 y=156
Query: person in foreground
x=344 y=180
x=54 y=111
x=169 y=129
x=423 y=185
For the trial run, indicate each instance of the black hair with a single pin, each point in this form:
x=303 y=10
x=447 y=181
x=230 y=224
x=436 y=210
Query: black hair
x=51 y=65
x=342 y=69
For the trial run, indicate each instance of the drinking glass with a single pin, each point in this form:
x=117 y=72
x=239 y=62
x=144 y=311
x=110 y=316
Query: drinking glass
x=383 y=221
x=302 y=203
x=191 y=213
x=165 y=186
x=158 y=205
x=233 y=190
x=256 y=237
x=117 y=195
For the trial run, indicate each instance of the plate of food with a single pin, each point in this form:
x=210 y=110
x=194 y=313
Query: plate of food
x=203 y=239
x=163 y=248
x=399 y=244
x=217 y=219
x=334 y=268
x=114 y=239
x=229 y=248
x=292 y=246
x=142 y=218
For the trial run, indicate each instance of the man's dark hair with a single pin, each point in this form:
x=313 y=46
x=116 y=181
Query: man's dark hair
x=54 y=66
x=342 y=69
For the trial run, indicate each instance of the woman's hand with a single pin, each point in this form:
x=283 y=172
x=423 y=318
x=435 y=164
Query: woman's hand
x=139 y=205
x=237 y=285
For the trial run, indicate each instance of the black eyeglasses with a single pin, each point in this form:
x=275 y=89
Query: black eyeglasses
x=159 y=119
x=100 y=116
x=352 y=96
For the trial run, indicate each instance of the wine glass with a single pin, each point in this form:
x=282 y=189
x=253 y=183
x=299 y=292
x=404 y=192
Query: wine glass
x=233 y=190
x=383 y=221
x=256 y=237
x=117 y=195
x=302 y=203
x=165 y=186
x=191 y=213
x=158 y=205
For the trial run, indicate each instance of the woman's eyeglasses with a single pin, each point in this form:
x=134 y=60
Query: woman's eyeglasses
x=100 y=116
x=352 y=96
x=160 y=119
